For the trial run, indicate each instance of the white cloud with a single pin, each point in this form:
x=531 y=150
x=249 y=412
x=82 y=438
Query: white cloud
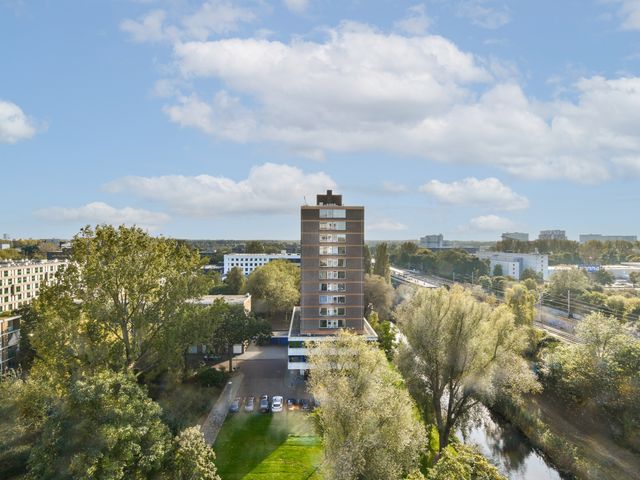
x=489 y=192
x=393 y=187
x=99 y=212
x=212 y=17
x=149 y=28
x=362 y=90
x=484 y=13
x=297 y=6
x=491 y=223
x=386 y=224
x=630 y=13
x=269 y=189
x=14 y=124
x=416 y=22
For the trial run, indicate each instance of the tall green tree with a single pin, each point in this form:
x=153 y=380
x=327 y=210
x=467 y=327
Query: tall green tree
x=232 y=326
x=191 y=458
x=366 y=259
x=105 y=428
x=386 y=332
x=277 y=283
x=382 y=266
x=573 y=280
x=457 y=352
x=462 y=462
x=366 y=416
x=121 y=302
x=378 y=295
x=235 y=281
x=521 y=301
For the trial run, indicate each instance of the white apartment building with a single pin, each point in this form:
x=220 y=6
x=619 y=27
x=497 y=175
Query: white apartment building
x=513 y=264
x=248 y=262
x=20 y=281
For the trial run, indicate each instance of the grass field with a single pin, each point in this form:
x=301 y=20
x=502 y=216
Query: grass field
x=280 y=446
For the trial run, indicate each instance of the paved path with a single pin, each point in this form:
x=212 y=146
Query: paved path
x=211 y=426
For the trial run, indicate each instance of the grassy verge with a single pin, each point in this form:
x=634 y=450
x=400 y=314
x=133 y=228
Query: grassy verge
x=280 y=446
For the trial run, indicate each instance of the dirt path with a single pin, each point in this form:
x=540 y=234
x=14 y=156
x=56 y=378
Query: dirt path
x=616 y=462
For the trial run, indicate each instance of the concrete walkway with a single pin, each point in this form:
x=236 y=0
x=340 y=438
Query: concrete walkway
x=211 y=426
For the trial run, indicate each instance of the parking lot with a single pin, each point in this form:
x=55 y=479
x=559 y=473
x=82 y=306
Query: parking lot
x=265 y=373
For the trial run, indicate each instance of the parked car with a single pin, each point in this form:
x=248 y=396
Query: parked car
x=235 y=405
x=248 y=406
x=304 y=404
x=276 y=403
x=264 y=404
x=292 y=404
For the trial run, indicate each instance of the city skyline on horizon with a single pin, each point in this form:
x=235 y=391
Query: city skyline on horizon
x=215 y=119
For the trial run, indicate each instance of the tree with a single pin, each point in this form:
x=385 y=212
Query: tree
x=366 y=259
x=254 y=246
x=233 y=326
x=574 y=280
x=192 y=458
x=105 y=428
x=122 y=302
x=530 y=273
x=386 y=332
x=463 y=463
x=378 y=295
x=616 y=306
x=497 y=270
x=634 y=277
x=235 y=281
x=277 y=283
x=603 y=277
x=521 y=302
x=382 y=266
x=366 y=416
x=485 y=282
x=458 y=351
x=407 y=250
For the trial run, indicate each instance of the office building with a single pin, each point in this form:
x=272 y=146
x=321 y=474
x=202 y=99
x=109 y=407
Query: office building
x=519 y=236
x=432 y=241
x=513 y=264
x=332 y=276
x=21 y=280
x=248 y=262
x=552 y=235
x=587 y=237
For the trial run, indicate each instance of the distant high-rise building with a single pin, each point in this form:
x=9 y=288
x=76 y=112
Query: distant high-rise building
x=552 y=235
x=520 y=236
x=607 y=238
x=432 y=241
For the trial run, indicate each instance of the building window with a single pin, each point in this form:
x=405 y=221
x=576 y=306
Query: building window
x=296 y=344
x=331 y=323
x=333 y=262
x=332 y=250
x=332 y=311
x=333 y=213
x=333 y=237
x=332 y=275
x=333 y=225
x=332 y=299
x=333 y=287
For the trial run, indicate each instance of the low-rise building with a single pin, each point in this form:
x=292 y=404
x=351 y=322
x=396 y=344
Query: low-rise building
x=587 y=237
x=519 y=236
x=552 y=235
x=21 y=280
x=248 y=262
x=432 y=241
x=513 y=264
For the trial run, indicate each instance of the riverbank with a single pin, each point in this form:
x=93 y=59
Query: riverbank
x=576 y=448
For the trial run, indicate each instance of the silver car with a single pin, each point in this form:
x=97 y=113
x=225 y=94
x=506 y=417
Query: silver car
x=248 y=406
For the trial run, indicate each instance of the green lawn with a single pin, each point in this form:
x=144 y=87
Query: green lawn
x=280 y=446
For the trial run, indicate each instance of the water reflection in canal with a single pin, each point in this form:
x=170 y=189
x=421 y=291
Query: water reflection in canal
x=509 y=450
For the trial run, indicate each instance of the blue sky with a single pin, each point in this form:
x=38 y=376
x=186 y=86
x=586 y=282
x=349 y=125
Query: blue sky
x=215 y=119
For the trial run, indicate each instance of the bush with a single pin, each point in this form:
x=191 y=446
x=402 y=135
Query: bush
x=210 y=377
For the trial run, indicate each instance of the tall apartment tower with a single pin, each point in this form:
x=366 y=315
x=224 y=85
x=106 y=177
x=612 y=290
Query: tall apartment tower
x=332 y=273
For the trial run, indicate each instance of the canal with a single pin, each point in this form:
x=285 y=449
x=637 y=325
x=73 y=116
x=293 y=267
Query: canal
x=509 y=450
